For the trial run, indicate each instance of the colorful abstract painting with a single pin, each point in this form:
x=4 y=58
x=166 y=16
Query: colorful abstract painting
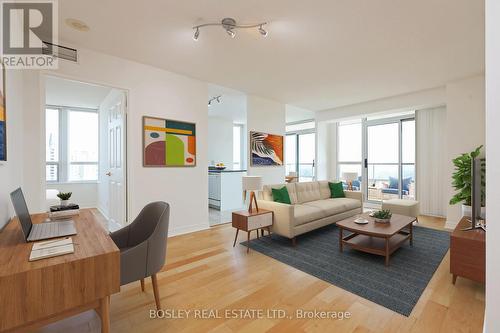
x=266 y=149
x=169 y=143
x=3 y=120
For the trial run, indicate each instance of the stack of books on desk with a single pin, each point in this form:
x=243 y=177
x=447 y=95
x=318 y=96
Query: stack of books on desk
x=61 y=212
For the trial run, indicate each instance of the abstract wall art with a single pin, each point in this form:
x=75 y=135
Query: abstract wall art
x=266 y=149
x=168 y=143
x=3 y=114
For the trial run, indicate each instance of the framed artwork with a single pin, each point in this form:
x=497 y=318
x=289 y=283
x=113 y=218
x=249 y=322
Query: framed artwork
x=266 y=149
x=168 y=143
x=3 y=116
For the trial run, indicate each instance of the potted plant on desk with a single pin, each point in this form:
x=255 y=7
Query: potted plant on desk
x=64 y=196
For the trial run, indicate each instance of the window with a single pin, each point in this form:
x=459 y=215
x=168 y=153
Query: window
x=52 y=145
x=291 y=153
x=237 y=144
x=300 y=148
x=72 y=144
x=350 y=151
x=386 y=147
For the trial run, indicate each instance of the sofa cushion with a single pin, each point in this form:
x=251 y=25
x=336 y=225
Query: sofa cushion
x=304 y=214
x=281 y=195
x=335 y=205
x=267 y=193
x=337 y=190
x=324 y=189
x=307 y=191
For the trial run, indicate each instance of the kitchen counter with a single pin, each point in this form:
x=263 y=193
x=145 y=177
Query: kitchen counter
x=225 y=170
x=225 y=189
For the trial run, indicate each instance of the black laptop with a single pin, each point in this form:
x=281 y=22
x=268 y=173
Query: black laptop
x=34 y=232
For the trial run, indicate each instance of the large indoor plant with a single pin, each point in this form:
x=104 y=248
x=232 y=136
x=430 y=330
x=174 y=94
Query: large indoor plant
x=462 y=181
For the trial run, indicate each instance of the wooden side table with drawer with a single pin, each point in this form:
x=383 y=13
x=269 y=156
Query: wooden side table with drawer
x=249 y=221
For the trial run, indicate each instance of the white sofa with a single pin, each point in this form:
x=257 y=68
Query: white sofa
x=311 y=207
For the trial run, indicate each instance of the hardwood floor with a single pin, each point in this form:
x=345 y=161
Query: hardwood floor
x=204 y=271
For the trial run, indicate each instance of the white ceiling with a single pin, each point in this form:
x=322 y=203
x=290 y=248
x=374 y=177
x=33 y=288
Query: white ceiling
x=296 y=114
x=62 y=92
x=318 y=54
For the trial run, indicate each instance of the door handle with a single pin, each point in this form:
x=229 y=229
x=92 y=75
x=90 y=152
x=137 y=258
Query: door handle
x=108 y=173
x=366 y=163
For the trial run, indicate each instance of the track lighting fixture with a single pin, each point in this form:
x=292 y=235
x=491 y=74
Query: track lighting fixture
x=231 y=33
x=215 y=99
x=229 y=25
x=262 y=31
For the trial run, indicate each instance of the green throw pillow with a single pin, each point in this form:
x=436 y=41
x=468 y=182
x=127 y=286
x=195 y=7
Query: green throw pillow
x=336 y=190
x=281 y=195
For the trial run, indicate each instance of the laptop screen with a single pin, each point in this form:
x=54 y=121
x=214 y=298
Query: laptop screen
x=22 y=212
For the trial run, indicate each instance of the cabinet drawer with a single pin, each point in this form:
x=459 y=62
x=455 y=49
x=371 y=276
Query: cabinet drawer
x=260 y=221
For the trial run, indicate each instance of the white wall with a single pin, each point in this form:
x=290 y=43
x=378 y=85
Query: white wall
x=11 y=171
x=152 y=92
x=465 y=129
x=220 y=141
x=492 y=320
x=266 y=116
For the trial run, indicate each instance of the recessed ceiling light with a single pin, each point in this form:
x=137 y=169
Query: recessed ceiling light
x=77 y=24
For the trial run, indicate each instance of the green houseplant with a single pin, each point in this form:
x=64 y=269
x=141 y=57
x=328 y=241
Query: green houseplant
x=64 y=196
x=462 y=181
x=383 y=216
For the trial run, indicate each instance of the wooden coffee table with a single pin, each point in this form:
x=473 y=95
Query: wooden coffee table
x=374 y=237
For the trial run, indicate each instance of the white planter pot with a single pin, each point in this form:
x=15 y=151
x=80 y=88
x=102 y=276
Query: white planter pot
x=64 y=202
x=467 y=211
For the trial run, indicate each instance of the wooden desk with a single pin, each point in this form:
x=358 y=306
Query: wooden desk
x=468 y=253
x=34 y=294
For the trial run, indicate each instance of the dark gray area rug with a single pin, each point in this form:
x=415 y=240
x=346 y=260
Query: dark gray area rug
x=397 y=287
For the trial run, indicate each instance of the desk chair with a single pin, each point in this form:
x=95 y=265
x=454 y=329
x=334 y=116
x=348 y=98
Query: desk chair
x=143 y=246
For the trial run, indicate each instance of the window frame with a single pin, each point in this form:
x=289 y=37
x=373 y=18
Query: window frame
x=297 y=134
x=365 y=122
x=63 y=165
x=242 y=138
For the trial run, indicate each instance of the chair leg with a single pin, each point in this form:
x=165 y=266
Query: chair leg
x=142 y=285
x=156 y=291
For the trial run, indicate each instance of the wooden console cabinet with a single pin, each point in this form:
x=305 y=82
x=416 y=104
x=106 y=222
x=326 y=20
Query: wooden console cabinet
x=468 y=253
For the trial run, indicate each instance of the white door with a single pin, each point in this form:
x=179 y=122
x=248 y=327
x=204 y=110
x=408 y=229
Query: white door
x=115 y=176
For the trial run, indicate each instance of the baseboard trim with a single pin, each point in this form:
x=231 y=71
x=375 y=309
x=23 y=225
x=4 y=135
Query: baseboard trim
x=102 y=212
x=450 y=224
x=188 y=229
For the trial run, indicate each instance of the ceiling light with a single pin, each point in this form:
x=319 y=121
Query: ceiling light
x=229 y=25
x=214 y=99
x=231 y=33
x=262 y=31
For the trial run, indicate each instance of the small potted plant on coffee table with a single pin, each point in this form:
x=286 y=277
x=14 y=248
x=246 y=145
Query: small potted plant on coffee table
x=64 y=196
x=382 y=216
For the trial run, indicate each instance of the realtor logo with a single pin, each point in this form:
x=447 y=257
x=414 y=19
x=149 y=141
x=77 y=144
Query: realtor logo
x=29 y=30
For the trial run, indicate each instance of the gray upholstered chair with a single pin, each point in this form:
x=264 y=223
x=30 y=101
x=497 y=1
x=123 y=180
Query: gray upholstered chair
x=143 y=246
